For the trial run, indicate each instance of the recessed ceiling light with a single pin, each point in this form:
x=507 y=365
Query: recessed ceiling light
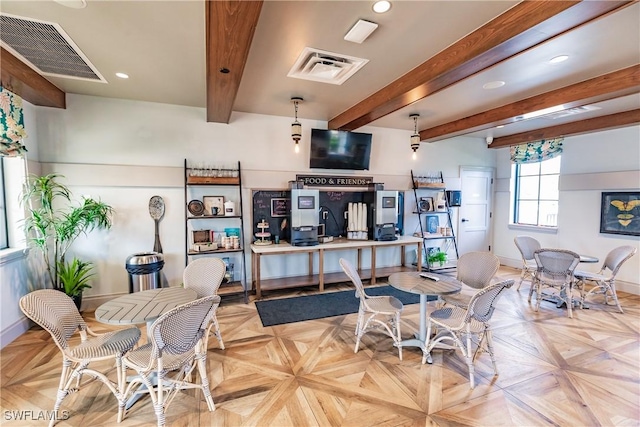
x=499 y=126
x=493 y=85
x=559 y=58
x=381 y=6
x=122 y=75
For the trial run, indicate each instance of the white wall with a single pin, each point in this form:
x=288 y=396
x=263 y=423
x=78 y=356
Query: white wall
x=591 y=164
x=124 y=152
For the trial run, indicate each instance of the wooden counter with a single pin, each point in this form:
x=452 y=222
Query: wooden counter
x=257 y=251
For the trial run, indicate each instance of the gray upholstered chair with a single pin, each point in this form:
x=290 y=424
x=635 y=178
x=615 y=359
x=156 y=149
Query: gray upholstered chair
x=468 y=328
x=375 y=312
x=602 y=283
x=178 y=339
x=555 y=271
x=475 y=270
x=57 y=314
x=527 y=246
x=204 y=275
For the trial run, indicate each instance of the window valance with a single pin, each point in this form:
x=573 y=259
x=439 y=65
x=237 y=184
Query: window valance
x=11 y=124
x=533 y=152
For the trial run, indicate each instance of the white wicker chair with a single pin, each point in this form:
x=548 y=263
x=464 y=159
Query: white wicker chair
x=204 y=275
x=178 y=339
x=475 y=270
x=555 y=270
x=57 y=314
x=527 y=246
x=605 y=285
x=468 y=328
x=375 y=312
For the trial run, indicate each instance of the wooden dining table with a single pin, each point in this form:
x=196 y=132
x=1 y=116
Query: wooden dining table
x=413 y=282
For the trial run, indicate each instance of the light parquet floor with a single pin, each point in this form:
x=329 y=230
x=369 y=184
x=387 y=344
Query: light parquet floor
x=554 y=370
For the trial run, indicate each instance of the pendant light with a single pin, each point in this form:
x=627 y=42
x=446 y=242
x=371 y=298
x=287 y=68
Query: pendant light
x=296 y=126
x=415 y=138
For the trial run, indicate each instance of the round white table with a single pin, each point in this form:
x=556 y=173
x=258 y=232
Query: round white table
x=412 y=282
x=142 y=307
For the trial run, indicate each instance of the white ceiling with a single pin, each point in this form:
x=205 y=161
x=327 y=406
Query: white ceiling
x=161 y=45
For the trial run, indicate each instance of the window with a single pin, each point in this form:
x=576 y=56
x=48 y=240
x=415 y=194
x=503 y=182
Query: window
x=536 y=193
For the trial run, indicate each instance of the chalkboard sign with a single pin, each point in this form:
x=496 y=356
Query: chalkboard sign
x=335 y=204
x=280 y=207
x=273 y=206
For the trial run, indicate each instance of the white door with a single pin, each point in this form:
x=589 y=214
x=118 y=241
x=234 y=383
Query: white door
x=474 y=219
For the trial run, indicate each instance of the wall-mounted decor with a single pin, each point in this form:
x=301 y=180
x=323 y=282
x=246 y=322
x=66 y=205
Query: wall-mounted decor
x=213 y=205
x=620 y=213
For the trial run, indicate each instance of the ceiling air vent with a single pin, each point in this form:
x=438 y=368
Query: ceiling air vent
x=46 y=48
x=326 y=67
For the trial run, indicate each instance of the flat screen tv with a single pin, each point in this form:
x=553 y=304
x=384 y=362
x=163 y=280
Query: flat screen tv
x=335 y=149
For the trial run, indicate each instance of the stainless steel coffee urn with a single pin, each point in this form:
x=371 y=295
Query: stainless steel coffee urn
x=304 y=215
x=385 y=215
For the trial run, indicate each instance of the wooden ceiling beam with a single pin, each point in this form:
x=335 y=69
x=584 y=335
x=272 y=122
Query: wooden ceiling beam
x=611 y=121
x=608 y=86
x=230 y=26
x=19 y=78
x=520 y=28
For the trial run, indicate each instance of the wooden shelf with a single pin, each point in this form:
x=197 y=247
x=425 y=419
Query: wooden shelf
x=217 y=251
x=232 y=288
x=338 y=277
x=213 y=217
x=212 y=180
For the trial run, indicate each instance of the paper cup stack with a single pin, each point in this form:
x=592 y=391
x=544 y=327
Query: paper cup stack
x=357 y=217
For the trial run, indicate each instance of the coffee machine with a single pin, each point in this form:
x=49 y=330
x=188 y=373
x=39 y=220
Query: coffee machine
x=384 y=215
x=304 y=215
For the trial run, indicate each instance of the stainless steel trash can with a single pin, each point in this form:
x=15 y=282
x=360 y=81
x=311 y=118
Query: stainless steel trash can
x=144 y=271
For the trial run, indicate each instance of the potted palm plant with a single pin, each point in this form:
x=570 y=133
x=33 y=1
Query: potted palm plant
x=437 y=257
x=53 y=223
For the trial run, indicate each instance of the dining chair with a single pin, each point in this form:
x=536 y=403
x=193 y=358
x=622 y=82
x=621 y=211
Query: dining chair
x=467 y=328
x=555 y=271
x=602 y=283
x=375 y=312
x=527 y=246
x=57 y=314
x=204 y=275
x=475 y=270
x=177 y=340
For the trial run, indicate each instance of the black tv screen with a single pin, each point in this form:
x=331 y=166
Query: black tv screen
x=335 y=149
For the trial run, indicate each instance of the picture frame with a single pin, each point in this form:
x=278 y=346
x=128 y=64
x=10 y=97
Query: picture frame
x=432 y=224
x=620 y=213
x=211 y=202
x=426 y=204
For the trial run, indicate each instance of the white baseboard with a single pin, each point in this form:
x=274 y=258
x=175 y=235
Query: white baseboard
x=18 y=328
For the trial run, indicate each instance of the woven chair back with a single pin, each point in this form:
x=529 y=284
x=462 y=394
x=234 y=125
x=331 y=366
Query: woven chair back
x=556 y=264
x=55 y=312
x=351 y=271
x=476 y=269
x=617 y=257
x=204 y=275
x=178 y=330
x=527 y=246
x=484 y=301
